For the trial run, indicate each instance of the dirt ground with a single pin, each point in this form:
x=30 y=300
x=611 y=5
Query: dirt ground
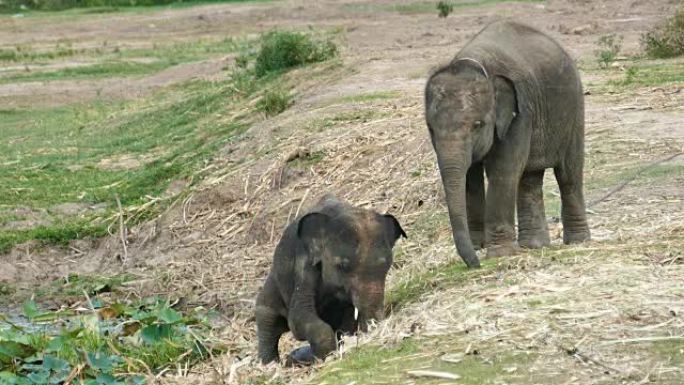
x=214 y=247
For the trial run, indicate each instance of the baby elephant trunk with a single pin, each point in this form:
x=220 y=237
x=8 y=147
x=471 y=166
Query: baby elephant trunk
x=369 y=301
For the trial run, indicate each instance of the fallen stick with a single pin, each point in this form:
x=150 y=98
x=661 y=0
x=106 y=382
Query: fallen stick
x=122 y=230
x=642 y=339
x=630 y=180
x=433 y=374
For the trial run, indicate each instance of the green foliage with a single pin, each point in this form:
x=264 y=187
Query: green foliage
x=59 y=5
x=445 y=8
x=281 y=50
x=274 y=102
x=609 y=48
x=644 y=73
x=110 y=344
x=666 y=40
x=370 y=96
x=60 y=155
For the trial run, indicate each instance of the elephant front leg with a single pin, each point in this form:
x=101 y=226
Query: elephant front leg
x=500 y=215
x=319 y=334
x=533 y=232
x=475 y=205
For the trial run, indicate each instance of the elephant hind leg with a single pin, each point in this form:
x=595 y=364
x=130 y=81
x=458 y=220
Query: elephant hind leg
x=533 y=231
x=573 y=213
x=270 y=326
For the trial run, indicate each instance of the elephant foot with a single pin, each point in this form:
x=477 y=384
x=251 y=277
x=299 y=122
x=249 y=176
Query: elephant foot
x=502 y=250
x=576 y=237
x=477 y=239
x=302 y=356
x=534 y=240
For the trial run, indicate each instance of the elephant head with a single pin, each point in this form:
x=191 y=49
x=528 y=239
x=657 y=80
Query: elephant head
x=466 y=110
x=352 y=251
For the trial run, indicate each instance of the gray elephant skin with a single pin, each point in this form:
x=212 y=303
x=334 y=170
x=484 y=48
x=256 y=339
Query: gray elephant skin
x=329 y=262
x=511 y=105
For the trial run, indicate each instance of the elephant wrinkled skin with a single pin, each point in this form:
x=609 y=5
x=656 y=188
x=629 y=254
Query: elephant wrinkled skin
x=329 y=264
x=510 y=104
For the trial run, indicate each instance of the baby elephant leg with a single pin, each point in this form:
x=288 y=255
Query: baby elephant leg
x=533 y=232
x=301 y=356
x=270 y=326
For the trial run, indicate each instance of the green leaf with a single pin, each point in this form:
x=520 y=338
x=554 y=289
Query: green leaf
x=56 y=344
x=55 y=364
x=12 y=350
x=169 y=315
x=30 y=309
x=8 y=378
x=152 y=334
x=107 y=379
x=40 y=377
x=102 y=361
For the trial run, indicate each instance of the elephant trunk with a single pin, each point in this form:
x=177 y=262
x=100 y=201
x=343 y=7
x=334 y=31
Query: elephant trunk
x=369 y=301
x=453 y=171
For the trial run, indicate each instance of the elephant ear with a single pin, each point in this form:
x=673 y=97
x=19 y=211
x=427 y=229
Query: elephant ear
x=393 y=229
x=313 y=231
x=506 y=105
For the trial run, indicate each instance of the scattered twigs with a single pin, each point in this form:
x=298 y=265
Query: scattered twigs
x=574 y=351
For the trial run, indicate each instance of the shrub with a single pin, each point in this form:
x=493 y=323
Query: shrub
x=666 y=40
x=609 y=48
x=444 y=8
x=274 y=102
x=281 y=50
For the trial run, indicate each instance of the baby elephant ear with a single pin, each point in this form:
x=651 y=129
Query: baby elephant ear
x=392 y=228
x=312 y=226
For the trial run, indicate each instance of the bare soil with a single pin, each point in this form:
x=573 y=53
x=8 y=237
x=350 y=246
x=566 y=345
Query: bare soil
x=214 y=247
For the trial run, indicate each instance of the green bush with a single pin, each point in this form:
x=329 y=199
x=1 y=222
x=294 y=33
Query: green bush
x=444 y=8
x=609 y=48
x=58 y=5
x=281 y=50
x=666 y=40
x=274 y=102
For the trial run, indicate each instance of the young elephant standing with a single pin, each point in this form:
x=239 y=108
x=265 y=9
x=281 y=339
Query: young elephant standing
x=509 y=104
x=329 y=264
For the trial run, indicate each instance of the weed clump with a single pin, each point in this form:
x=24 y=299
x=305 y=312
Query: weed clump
x=274 y=102
x=609 y=48
x=281 y=50
x=444 y=8
x=666 y=40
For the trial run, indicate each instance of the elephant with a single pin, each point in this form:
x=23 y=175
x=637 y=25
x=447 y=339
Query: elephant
x=509 y=105
x=327 y=279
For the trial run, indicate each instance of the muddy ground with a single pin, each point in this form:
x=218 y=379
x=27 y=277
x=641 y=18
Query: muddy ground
x=214 y=247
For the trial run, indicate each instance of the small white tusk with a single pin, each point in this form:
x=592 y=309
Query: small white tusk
x=356 y=313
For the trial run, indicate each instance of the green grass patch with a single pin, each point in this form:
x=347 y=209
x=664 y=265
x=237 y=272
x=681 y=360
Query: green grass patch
x=274 y=102
x=111 y=69
x=428 y=6
x=644 y=74
x=370 y=96
x=92 y=153
x=99 y=6
x=390 y=365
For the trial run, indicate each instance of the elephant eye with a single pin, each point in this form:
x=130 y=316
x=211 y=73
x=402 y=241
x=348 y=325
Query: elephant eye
x=477 y=124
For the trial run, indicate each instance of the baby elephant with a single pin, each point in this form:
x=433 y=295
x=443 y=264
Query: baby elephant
x=328 y=278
